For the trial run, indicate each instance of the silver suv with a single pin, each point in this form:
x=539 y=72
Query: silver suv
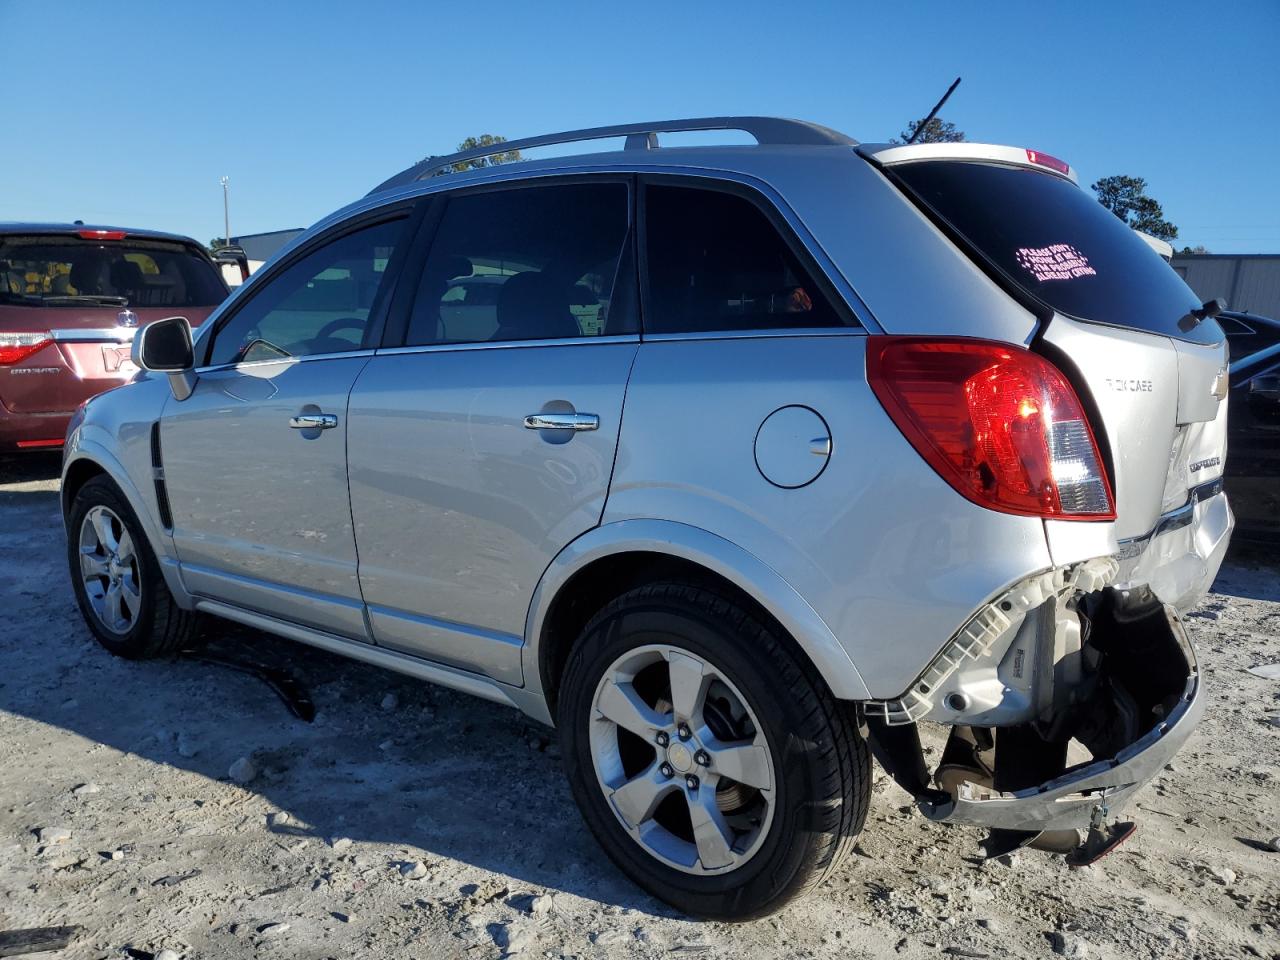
x=738 y=464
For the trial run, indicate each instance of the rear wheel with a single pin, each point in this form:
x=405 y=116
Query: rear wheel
x=708 y=758
x=117 y=580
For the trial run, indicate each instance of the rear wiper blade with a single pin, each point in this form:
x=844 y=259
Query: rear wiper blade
x=1211 y=308
x=102 y=299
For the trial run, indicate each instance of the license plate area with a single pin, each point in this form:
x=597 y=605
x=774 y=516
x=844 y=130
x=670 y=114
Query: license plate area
x=117 y=362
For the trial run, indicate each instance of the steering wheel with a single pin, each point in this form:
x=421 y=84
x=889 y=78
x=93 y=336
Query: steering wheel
x=341 y=323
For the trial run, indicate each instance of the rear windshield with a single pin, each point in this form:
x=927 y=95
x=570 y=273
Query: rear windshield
x=1059 y=244
x=68 y=271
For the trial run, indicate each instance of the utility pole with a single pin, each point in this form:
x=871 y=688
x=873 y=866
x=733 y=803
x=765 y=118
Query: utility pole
x=226 y=212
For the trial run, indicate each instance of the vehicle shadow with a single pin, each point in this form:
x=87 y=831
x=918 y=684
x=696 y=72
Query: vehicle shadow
x=1251 y=572
x=429 y=772
x=30 y=467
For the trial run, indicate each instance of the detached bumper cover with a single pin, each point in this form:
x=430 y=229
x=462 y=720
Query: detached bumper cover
x=1069 y=800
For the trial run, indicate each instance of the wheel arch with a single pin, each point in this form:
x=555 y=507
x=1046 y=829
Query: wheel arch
x=608 y=560
x=87 y=460
x=75 y=475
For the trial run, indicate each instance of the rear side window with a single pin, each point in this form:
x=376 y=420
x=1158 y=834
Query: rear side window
x=533 y=263
x=321 y=304
x=717 y=263
x=1057 y=243
x=57 y=271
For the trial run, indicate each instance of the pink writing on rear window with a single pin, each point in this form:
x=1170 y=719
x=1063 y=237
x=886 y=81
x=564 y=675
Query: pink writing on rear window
x=1061 y=261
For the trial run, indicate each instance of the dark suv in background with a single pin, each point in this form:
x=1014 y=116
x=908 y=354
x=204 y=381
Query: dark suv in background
x=71 y=299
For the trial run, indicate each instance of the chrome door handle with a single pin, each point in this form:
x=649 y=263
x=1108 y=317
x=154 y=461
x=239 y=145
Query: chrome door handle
x=562 y=421
x=314 y=421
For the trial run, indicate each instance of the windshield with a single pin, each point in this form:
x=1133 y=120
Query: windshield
x=1059 y=244
x=56 y=271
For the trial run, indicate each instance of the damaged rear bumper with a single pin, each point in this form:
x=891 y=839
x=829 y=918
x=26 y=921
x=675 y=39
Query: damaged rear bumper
x=1070 y=800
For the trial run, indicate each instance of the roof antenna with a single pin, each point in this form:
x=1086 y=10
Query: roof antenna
x=933 y=113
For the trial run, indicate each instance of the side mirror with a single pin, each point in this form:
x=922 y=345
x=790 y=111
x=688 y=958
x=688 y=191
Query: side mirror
x=1266 y=386
x=165 y=347
x=1264 y=400
x=233 y=256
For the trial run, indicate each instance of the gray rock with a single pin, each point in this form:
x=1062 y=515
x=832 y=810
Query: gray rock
x=390 y=702
x=531 y=903
x=85 y=789
x=413 y=869
x=270 y=930
x=280 y=818
x=167 y=954
x=1068 y=945
x=340 y=844
x=49 y=835
x=610 y=938
x=186 y=746
x=1225 y=875
x=1274 y=844
x=514 y=938
x=243 y=771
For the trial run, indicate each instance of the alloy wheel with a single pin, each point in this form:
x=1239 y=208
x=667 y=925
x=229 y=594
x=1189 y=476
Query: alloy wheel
x=682 y=760
x=109 y=570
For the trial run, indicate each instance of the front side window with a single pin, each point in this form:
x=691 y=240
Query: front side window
x=321 y=304
x=716 y=263
x=532 y=263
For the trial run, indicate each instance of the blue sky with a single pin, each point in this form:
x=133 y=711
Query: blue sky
x=129 y=112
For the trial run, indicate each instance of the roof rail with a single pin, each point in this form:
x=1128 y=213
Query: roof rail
x=639 y=136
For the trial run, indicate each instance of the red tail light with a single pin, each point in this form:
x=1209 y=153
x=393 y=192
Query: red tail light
x=101 y=234
x=18 y=346
x=1000 y=424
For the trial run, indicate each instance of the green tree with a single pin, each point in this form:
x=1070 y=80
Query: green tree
x=1198 y=248
x=217 y=242
x=936 y=130
x=484 y=140
x=1127 y=198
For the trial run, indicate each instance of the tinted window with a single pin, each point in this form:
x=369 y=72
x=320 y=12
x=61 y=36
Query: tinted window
x=320 y=304
x=526 y=264
x=1059 y=244
x=43 y=271
x=716 y=262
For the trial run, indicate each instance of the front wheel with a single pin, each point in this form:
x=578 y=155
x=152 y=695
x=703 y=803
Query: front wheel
x=117 y=580
x=707 y=756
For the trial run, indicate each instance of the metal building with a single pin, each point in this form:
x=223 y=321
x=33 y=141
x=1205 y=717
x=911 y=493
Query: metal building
x=258 y=247
x=1249 y=282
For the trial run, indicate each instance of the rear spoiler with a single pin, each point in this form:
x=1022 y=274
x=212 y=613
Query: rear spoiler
x=1165 y=250
x=888 y=154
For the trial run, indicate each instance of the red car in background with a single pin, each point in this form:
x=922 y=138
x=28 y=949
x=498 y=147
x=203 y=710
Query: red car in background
x=71 y=300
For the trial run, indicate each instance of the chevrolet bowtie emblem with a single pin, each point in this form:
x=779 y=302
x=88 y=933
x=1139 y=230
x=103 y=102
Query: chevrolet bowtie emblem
x=127 y=318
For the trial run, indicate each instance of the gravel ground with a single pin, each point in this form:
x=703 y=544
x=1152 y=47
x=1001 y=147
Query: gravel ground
x=409 y=821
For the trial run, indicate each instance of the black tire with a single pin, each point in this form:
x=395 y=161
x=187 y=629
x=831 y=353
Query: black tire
x=822 y=765
x=161 y=627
